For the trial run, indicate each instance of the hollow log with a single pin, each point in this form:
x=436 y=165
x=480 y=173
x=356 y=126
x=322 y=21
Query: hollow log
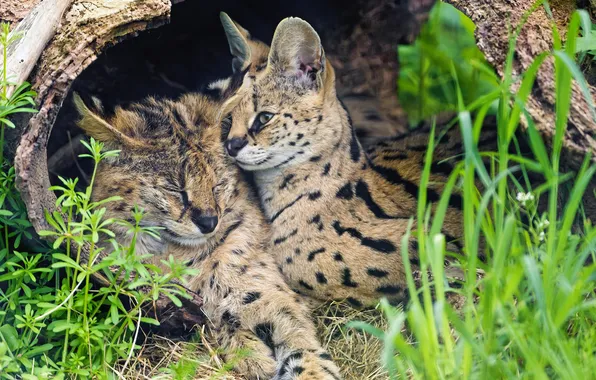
x=492 y=34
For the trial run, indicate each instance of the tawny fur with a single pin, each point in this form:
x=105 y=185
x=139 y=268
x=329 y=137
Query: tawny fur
x=338 y=213
x=172 y=164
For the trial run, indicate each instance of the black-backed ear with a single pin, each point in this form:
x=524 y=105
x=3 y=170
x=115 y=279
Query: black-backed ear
x=234 y=93
x=238 y=38
x=296 y=50
x=96 y=126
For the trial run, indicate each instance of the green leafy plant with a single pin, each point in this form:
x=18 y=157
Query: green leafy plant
x=54 y=321
x=426 y=85
x=530 y=310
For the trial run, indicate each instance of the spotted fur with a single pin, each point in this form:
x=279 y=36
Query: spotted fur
x=338 y=213
x=172 y=164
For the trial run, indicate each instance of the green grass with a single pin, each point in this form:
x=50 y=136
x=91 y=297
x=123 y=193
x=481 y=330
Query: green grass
x=530 y=310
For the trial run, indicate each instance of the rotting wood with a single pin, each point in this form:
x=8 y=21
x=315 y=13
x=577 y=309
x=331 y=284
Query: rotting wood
x=492 y=18
x=37 y=28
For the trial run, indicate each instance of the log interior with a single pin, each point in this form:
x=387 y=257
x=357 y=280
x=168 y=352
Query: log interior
x=360 y=38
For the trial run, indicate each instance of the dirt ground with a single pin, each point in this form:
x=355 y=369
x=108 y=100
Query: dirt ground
x=13 y=11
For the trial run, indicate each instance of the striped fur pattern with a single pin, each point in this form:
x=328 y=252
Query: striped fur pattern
x=338 y=213
x=173 y=165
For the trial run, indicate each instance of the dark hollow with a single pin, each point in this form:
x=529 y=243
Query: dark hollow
x=192 y=51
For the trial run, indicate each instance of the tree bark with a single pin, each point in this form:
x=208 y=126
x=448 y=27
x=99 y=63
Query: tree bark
x=86 y=30
x=494 y=21
x=37 y=28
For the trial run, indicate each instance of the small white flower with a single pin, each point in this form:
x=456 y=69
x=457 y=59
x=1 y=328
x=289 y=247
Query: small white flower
x=522 y=198
x=543 y=224
x=541 y=236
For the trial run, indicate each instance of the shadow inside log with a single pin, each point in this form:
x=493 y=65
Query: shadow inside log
x=191 y=51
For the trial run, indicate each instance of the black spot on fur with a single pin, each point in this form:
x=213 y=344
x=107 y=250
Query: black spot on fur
x=264 y=332
x=378 y=273
x=286 y=181
x=314 y=195
x=298 y=370
x=395 y=156
x=325 y=356
x=372 y=116
x=284 y=365
x=288 y=115
x=345 y=192
x=317 y=221
x=231 y=320
x=389 y=289
x=321 y=279
x=354 y=144
x=442 y=167
x=338 y=257
x=354 y=302
x=347 y=279
x=299 y=136
x=363 y=193
x=380 y=245
x=277 y=214
x=333 y=375
x=121 y=207
x=215 y=264
x=313 y=254
x=280 y=240
x=315 y=158
x=305 y=285
x=289 y=260
x=229 y=230
x=326 y=168
x=251 y=297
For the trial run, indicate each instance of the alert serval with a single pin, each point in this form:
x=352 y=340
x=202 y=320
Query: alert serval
x=338 y=213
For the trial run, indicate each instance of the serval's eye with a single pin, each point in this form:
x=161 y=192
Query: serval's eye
x=264 y=117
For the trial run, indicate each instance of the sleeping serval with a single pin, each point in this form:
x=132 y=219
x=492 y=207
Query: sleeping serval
x=173 y=165
x=337 y=213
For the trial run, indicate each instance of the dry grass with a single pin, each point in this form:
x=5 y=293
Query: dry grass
x=356 y=353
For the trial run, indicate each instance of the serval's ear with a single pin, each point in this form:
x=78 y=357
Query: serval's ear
x=296 y=51
x=96 y=126
x=238 y=39
x=246 y=50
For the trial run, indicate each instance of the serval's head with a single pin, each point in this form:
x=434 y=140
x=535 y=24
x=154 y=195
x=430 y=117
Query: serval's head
x=171 y=164
x=281 y=118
